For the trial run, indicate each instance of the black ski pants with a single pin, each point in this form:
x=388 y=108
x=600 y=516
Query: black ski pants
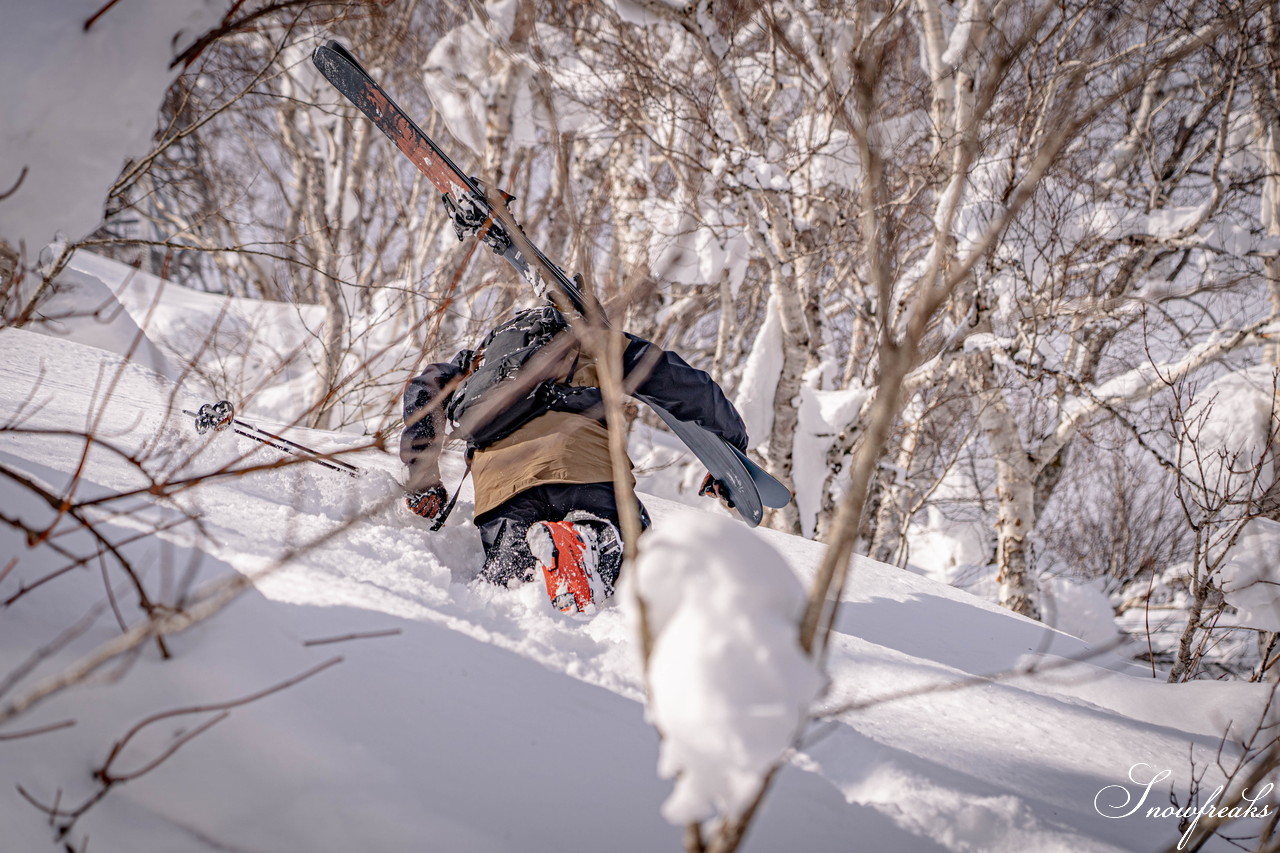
x=502 y=529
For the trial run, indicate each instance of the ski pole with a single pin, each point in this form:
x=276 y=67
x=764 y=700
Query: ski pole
x=444 y=514
x=221 y=415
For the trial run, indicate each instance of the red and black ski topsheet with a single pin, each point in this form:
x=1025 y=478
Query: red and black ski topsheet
x=465 y=199
x=750 y=488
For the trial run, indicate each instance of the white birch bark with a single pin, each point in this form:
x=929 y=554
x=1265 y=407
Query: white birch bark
x=1265 y=89
x=1015 y=493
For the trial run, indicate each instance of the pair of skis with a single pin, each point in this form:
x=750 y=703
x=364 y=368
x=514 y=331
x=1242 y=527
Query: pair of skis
x=472 y=209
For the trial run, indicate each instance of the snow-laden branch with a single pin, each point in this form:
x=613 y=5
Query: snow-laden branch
x=1143 y=382
x=1046 y=154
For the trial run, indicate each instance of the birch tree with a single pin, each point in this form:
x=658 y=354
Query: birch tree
x=1174 y=247
x=1264 y=88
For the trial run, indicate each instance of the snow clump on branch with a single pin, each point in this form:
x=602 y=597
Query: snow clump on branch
x=1251 y=578
x=729 y=683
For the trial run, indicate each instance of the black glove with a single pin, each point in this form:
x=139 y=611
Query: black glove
x=427 y=502
x=713 y=488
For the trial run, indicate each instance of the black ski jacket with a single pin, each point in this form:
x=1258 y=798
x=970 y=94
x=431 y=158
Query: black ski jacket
x=650 y=374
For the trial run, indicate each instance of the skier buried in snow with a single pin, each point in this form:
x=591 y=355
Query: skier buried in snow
x=528 y=404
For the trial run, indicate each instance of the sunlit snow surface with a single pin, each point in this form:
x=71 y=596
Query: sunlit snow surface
x=489 y=721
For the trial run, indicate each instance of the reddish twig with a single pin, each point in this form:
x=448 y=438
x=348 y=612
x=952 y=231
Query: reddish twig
x=93 y=19
x=186 y=737
x=22 y=176
x=104 y=774
x=108 y=779
x=193 y=50
x=53 y=727
x=367 y=635
x=75 y=562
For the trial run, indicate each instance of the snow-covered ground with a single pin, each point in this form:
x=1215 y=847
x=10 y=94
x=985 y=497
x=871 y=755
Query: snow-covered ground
x=476 y=718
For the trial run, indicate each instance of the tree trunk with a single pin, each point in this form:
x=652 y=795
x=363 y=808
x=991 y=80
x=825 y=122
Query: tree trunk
x=1185 y=660
x=786 y=411
x=1265 y=87
x=895 y=499
x=1015 y=492
x=505 y=73
x=1271 y=498
x=1016 y=577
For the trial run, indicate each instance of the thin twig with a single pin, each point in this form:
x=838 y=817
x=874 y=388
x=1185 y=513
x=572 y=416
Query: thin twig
x=22 y=176
x=47 y=651
x=366 y=635
x=98 y=14
x=177 y=744
x=104 y=773
x=53 y=727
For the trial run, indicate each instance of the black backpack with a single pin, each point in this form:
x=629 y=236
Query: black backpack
x=509 y=387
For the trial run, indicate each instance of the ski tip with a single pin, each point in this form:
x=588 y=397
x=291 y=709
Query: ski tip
x=329 y=50
x=321 y=58
x=772 y=492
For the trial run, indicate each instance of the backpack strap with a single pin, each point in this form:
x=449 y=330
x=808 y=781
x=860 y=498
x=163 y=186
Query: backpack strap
x=585 y=400
x=485 y=414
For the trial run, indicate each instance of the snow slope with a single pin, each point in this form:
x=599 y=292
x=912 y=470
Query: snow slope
x=479 y=719
x=261 y=352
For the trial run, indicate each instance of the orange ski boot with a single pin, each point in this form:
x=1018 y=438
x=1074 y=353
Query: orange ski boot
x=568 y=564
